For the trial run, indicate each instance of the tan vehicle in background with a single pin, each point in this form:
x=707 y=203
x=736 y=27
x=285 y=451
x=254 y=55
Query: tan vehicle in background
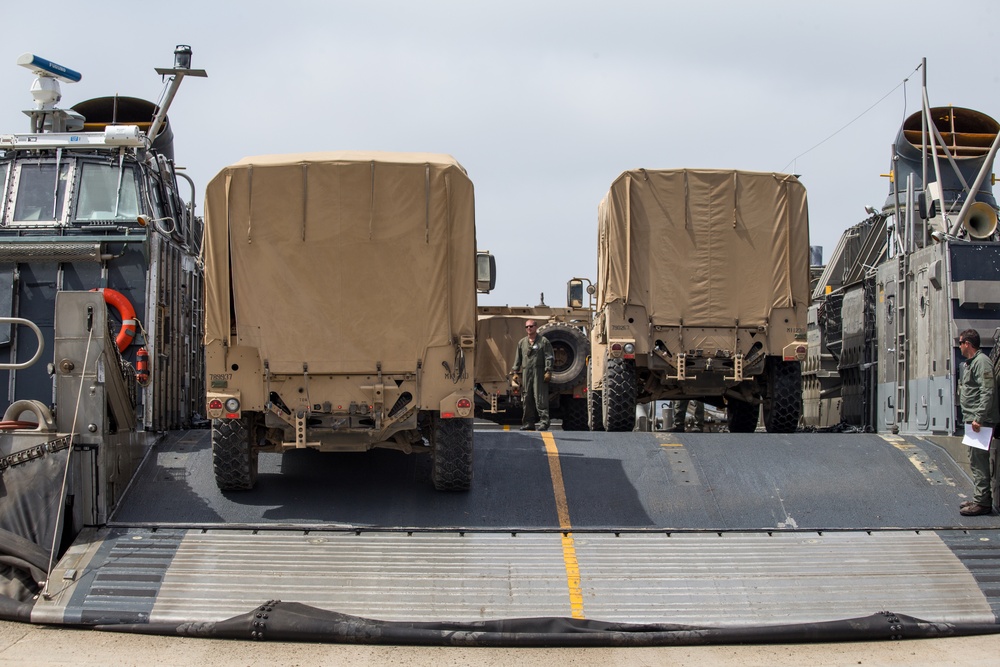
x=498 y=331
x=341 y=309
x=702 y=293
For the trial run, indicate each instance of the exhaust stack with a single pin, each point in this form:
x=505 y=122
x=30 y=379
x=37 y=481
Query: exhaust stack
x=103 y=111
x=957 y=148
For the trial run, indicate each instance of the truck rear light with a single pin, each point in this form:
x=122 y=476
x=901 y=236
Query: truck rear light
x=232 y=405
x=798 y=353
x=215 y=404
x=616 y=350
x=464 y=407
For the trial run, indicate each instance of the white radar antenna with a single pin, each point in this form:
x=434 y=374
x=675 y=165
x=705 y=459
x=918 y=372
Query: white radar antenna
x=46 y=93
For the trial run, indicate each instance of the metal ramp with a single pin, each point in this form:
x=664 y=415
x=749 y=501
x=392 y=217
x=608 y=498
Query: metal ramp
x=138 y=575
x=694 y=529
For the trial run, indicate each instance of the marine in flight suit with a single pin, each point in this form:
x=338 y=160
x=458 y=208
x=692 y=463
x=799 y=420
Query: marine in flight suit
x=534 y=360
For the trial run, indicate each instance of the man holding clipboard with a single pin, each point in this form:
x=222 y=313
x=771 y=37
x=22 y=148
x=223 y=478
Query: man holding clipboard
x=977 y=396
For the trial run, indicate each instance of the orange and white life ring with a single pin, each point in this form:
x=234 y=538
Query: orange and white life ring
x=120 y=302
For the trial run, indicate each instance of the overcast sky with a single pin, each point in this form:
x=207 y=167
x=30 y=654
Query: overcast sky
x=544 y=103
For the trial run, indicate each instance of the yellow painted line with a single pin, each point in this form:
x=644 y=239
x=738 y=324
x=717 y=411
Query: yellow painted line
x=506 y=427
x=562 y=510
x=917 y=458
x=667 y=441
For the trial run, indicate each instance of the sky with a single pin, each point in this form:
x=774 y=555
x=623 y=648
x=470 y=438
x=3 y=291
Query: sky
x=544 y=103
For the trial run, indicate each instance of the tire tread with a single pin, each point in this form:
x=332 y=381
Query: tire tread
x=451 y=469
x=233 y=459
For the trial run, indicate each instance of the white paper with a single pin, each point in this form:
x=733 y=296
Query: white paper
x=979 y=440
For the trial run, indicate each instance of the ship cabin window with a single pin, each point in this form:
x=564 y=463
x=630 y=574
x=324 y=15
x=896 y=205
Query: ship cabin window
x=40 y=196
x=107 y=192
x=4 y=172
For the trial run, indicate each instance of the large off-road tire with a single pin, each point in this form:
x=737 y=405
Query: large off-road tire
x=234 y=455
x=595 y=405
x=742 y=416
x=783 y=405
x=620 y=394
x=570 y=346
x=451 y=469
x=574 y=413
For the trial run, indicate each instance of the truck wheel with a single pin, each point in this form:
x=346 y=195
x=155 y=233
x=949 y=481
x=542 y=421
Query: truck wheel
x=570 y=347
x=233 y=456
x=595 y=406
x=620 y=394
x=783 y=405
x=574 y=413
x=595 y=411
x=452 y=452
x=742 y=416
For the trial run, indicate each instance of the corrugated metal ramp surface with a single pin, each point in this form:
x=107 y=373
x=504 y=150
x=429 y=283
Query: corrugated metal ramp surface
x=759 y=579
x=698 y=578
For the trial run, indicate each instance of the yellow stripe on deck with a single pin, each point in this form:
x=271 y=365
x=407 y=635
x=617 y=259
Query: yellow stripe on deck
x=919 y=459
x=667 y=441
x=562 y=510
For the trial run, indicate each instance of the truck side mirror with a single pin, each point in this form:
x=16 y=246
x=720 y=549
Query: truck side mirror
x=574 y=293
x=486 y=272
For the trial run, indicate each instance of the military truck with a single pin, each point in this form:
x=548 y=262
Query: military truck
x=498 y=330
x=341 y=309
x=702 y=293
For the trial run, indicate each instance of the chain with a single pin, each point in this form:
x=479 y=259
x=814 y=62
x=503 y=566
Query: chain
x=32 y=453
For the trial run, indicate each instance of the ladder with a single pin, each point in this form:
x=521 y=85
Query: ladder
x=902 y=314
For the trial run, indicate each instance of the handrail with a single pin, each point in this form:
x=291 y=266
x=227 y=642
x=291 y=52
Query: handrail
x=38 y=352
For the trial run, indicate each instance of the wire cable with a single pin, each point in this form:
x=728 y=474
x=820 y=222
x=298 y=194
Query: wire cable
x=69 y=457
x=855 y=119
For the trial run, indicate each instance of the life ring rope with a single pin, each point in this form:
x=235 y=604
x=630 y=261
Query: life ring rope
x=120 y=302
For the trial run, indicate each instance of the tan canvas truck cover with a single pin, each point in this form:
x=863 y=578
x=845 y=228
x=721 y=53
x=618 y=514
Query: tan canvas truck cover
x=500 y=328
x=708 y=247
x=340 y=259
x=496 y=345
